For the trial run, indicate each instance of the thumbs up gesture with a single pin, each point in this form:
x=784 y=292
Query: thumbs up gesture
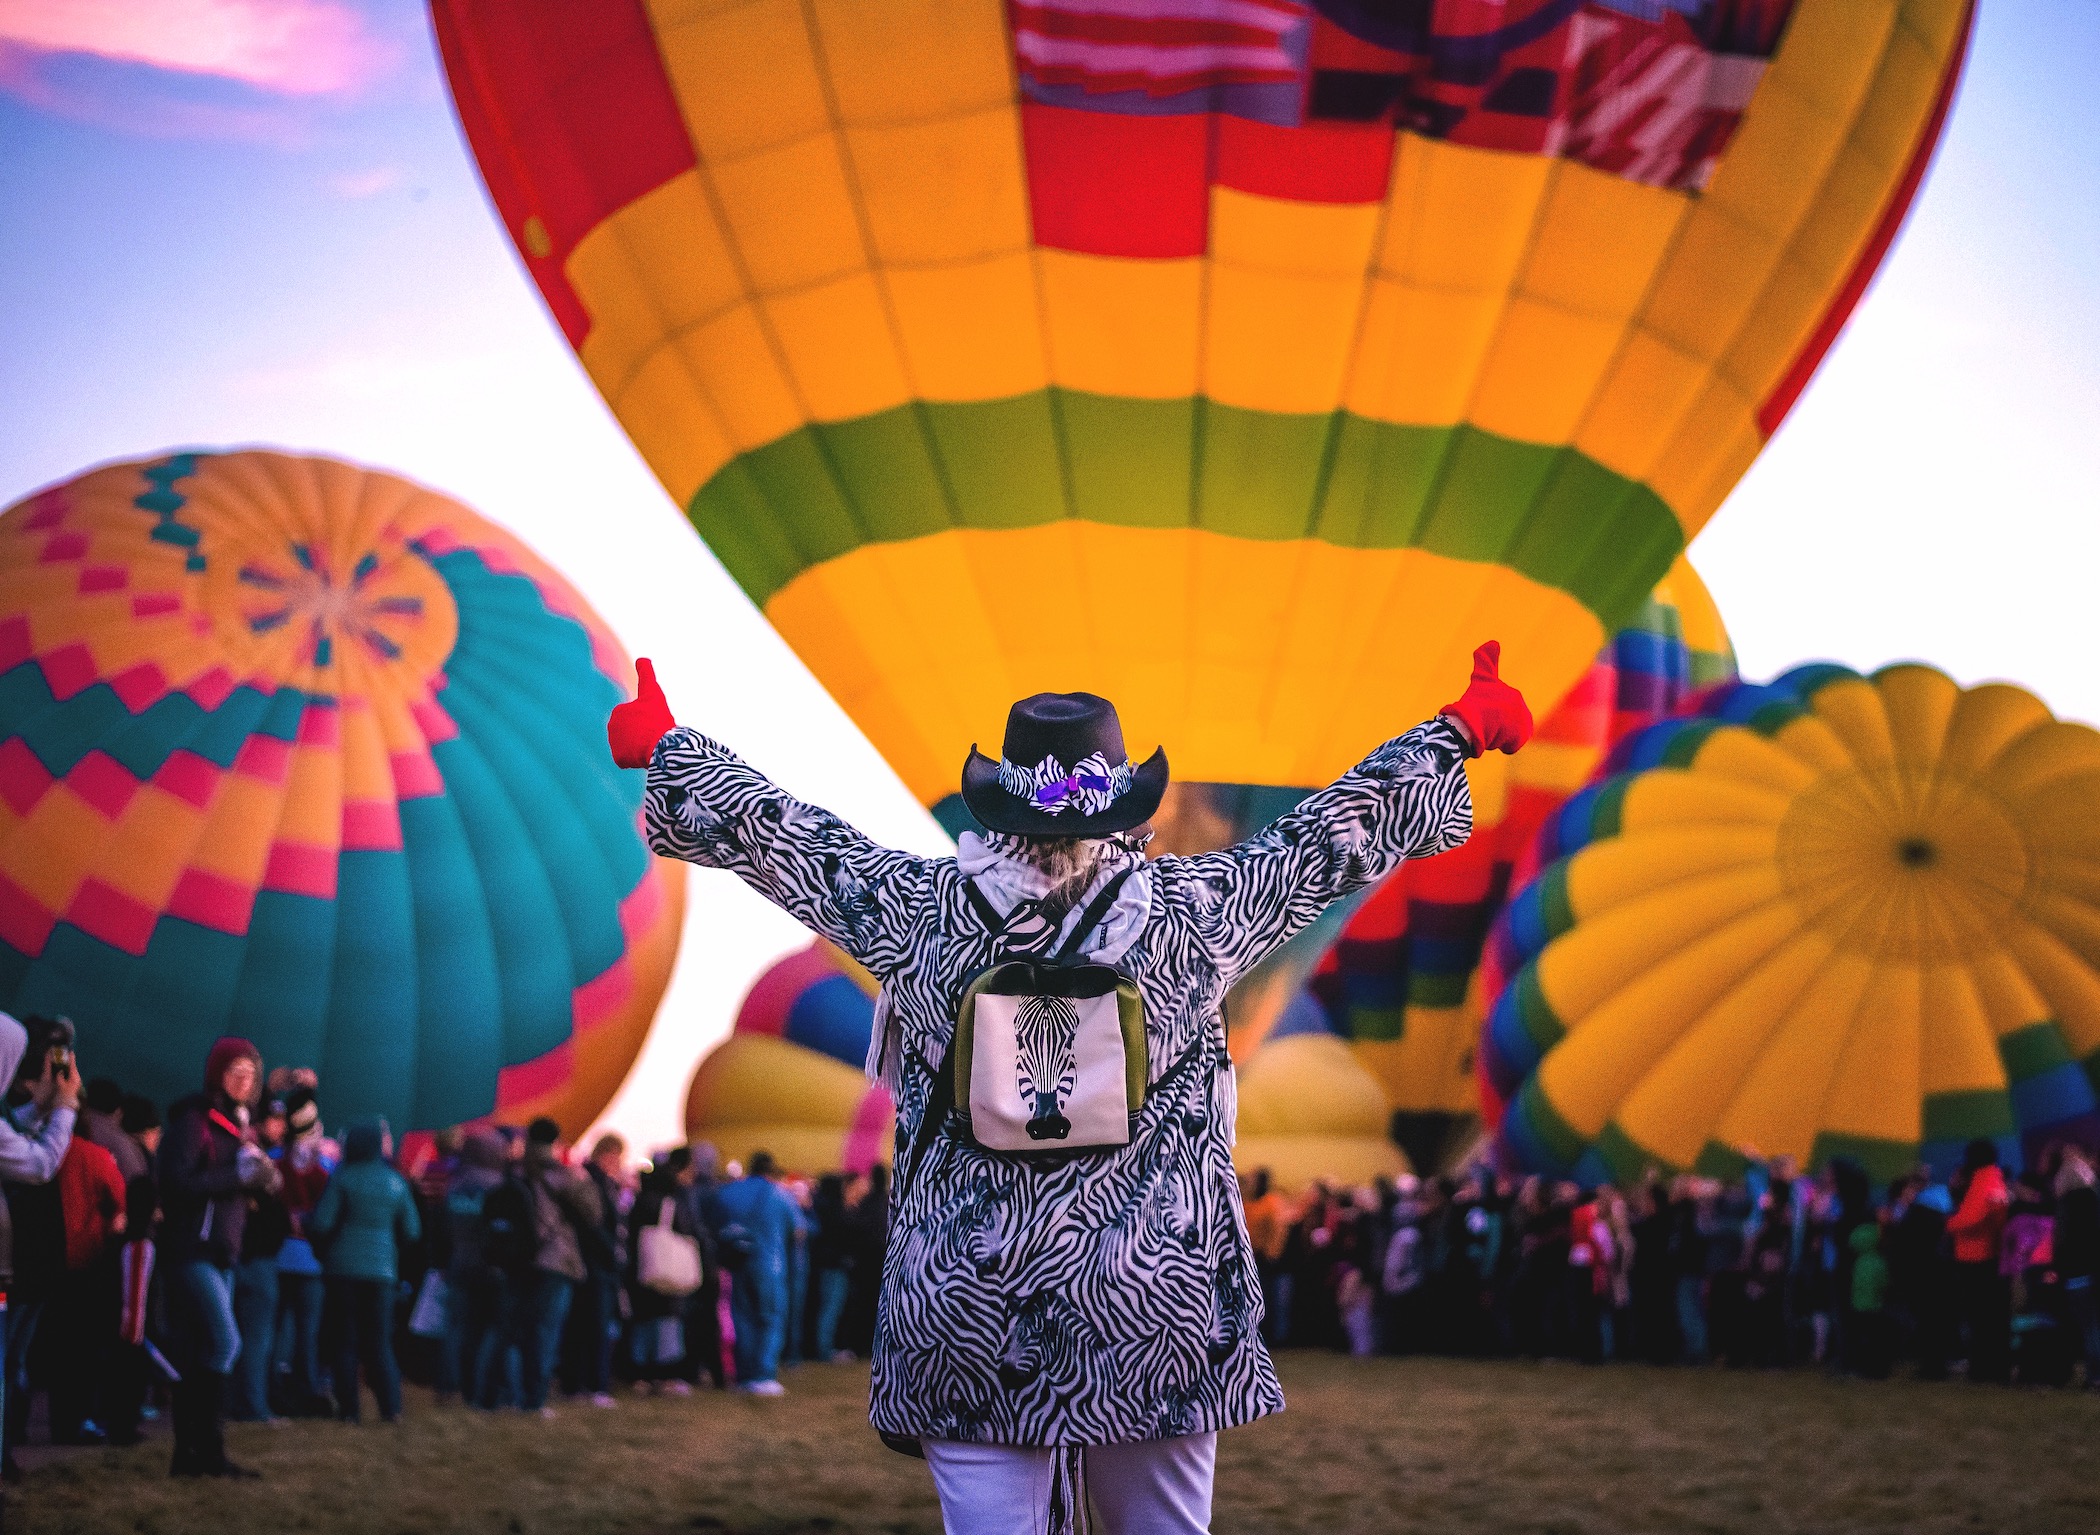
x=1491 y=712
x=634 y=728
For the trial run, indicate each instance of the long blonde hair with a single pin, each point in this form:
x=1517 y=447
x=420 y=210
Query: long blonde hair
x=1071 y=861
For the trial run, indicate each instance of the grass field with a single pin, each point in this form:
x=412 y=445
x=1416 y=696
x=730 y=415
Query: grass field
x=1384 y=1445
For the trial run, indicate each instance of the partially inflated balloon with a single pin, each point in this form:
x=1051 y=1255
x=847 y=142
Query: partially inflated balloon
x=818 y=999
x=1308 y=1110
x=788 y=1079
x=1246 y=361
x=1399 y=982
x=1843 y=916
x=757 y=1092
x=305 y=752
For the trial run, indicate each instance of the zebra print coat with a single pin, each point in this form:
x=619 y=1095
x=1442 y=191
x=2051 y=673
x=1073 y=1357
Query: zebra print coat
x=1111 y=1296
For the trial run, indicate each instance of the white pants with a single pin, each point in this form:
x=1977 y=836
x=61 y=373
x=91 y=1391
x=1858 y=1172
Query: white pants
x=1155 y=1487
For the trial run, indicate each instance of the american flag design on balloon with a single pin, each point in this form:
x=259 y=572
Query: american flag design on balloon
x=1650 y=90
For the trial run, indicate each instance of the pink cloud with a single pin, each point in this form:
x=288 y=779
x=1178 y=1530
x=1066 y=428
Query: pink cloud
x=138 y=99
x=284 y=47
x=355 y=186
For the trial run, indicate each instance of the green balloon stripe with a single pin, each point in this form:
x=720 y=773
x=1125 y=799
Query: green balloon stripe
x=827 y=489
x=2033 y=1050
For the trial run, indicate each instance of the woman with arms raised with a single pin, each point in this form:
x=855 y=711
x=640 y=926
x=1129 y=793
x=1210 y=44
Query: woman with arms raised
x=1069 y=1301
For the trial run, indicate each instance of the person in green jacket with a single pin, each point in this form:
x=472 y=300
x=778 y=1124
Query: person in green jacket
x=1866 y=1331
x=366 y=1215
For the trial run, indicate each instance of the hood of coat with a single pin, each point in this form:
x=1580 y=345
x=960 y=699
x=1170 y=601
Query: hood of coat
x=364 y=1139
x=1042 y=906
x=484 y=1149
x=224 y=1052
x=14 y=1044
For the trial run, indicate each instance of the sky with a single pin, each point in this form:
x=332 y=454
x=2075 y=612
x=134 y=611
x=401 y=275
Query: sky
x=229 y=222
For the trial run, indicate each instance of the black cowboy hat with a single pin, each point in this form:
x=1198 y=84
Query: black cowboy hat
x=1063 y=772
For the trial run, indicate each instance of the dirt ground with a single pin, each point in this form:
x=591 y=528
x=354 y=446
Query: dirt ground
x=1383 y=1445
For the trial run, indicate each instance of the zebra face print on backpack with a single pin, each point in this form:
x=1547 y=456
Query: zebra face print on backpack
x=1077 y=1297
x=1046 y=1049
x=1049 y=1054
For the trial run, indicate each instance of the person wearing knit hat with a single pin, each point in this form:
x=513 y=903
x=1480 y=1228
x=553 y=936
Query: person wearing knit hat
x=1069 y=1296
x=308 y=1159
x=302 y=1113
x=207 y=1166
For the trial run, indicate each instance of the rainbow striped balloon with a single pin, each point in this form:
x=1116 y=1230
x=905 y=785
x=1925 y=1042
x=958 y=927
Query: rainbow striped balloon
x=1834 y=916
x=1245 y=361
x=305 y=752
x=1399 y=981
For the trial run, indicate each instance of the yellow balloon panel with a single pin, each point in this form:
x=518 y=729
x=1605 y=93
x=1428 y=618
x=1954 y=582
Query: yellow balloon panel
x=1308 y=1110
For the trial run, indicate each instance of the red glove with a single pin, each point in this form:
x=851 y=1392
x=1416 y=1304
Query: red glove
x=635 y=728
x=1492 y=712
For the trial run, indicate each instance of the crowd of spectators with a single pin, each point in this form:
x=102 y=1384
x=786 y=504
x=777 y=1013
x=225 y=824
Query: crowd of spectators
x=240 y=1261
x=1988 y=1274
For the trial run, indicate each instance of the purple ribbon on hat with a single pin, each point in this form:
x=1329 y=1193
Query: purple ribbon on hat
x=1057 y=793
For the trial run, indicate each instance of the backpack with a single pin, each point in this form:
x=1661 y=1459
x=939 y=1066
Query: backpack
x=1049 y=1055
x=510 y=1239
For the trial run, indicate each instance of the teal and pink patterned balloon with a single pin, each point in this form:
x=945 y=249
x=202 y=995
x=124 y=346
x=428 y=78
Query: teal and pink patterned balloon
x=305 y=752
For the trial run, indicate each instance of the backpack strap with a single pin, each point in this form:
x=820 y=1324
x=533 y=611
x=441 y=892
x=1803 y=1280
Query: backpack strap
x=1095 y=914
x=981 y=903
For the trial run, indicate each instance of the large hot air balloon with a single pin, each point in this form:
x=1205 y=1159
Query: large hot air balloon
x=1842 y=916
x=788 y=1079
x=305 y=752
x=1247 y=361
x=1398 y=983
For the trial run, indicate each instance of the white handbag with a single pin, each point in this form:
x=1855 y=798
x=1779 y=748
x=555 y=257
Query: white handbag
x=427 y=1318
x=668 y=1261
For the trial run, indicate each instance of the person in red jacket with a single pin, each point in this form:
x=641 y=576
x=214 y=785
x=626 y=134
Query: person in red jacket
x=1982 y=1297
x=91 y=1192
x=84 y=1311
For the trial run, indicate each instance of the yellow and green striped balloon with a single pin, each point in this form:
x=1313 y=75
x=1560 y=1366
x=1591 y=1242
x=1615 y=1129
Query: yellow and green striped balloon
x=1245 y=361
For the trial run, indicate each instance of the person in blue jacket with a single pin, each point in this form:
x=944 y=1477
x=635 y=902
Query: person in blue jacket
x=755 y=1221
x=366 y=1216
